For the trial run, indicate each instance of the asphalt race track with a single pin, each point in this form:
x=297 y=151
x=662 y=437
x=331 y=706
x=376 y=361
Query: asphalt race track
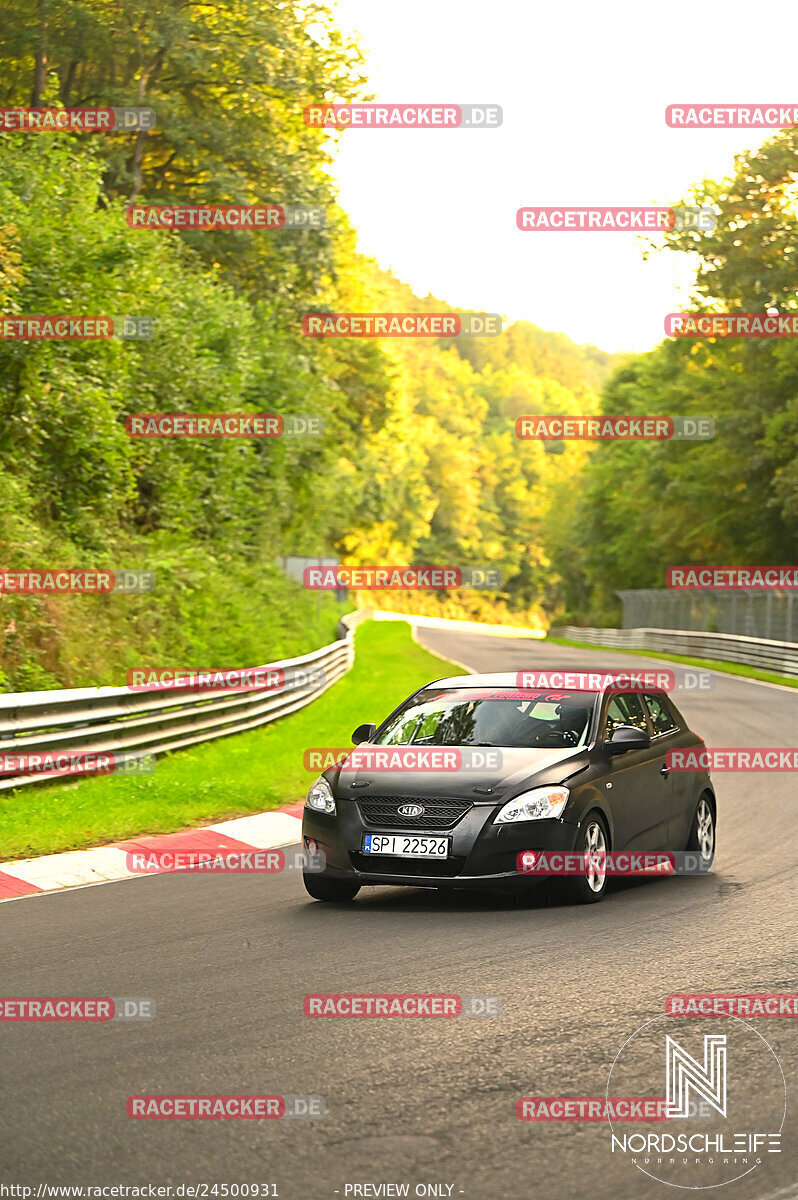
x=228 y=960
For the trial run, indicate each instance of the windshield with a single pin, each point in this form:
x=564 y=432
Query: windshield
x=492 y=717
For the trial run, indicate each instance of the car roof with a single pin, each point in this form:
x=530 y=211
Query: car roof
x=509 y=680
x=501 y=679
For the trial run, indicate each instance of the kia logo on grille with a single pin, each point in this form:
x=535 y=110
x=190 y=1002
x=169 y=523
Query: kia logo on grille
x=410 y=810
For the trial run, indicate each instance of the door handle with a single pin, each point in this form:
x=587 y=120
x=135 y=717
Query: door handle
x=665 y=770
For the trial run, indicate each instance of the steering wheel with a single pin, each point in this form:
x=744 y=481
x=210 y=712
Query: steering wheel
x=549 y=738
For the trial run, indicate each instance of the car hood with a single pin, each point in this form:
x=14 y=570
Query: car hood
x=520 y=768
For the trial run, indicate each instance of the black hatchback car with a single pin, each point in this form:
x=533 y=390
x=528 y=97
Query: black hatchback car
x=471 y=773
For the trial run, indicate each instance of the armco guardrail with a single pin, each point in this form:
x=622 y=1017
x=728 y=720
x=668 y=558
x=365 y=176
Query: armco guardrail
x=120 y=721
x=455 y=624
x=780 y=657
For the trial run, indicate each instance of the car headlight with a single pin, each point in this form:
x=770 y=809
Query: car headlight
x=320 y=797
x=536 y=805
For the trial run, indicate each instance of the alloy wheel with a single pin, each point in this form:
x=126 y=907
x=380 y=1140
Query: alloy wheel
x=705 y=830
x=595 y=848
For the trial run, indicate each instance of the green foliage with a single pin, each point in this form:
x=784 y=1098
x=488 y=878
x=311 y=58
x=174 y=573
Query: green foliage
x=209 y=516
x=644 y=506
x=228 y=83
x=419 y=462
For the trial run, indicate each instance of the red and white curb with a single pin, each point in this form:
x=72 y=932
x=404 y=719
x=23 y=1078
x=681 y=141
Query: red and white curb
x=106 y=864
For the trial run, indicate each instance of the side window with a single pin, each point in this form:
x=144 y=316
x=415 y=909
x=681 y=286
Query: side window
x=661 y=719
x=626 y=709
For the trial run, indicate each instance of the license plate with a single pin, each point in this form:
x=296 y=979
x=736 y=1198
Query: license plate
x=405 y=845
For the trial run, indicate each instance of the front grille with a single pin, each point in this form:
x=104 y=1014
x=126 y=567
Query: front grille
x=382 y=812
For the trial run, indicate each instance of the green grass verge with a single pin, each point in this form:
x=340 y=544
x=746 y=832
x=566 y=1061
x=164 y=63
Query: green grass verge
x=709 y=664
x=245 y=773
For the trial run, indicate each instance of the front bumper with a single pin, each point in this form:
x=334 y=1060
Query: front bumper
x=483 y=854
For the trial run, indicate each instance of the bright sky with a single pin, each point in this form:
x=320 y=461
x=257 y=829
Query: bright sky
x=584 y=87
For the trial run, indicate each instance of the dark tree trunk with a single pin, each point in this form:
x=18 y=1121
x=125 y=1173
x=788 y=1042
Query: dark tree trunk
x=40 y=68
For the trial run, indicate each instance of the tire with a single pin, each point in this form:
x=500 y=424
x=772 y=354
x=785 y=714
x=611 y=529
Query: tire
x=581 y=889
x=321 y=886
x=702 y=831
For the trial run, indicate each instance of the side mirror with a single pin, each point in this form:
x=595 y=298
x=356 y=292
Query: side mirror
x=363 y=733
x=625 y=738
